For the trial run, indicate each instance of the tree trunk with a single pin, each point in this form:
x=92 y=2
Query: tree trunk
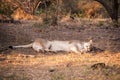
x=115 y=11
x=111 y=9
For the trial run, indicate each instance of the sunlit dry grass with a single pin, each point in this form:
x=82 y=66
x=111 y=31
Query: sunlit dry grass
x=67 y=66
x=62 y=59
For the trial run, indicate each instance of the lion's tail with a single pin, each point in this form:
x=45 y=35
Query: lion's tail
x=21 y=46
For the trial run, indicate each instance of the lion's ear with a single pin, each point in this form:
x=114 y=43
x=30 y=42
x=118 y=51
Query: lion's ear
x=91 y=41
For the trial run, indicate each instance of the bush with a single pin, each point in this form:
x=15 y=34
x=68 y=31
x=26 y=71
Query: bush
x=6 y=8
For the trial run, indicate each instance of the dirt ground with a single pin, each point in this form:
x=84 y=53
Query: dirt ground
x=26 y=64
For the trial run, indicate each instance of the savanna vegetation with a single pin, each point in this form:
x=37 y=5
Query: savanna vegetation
x=21 y=21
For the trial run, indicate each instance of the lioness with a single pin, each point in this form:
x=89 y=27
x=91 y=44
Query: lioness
x=71 y=46
x=56 y=45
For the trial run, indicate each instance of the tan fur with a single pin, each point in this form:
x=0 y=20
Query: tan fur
x=56 y=45
x=37 y=45
x=71 y=46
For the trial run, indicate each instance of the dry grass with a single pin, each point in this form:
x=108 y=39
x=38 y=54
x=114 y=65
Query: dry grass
x=68 y=66
x=52 y=59
x=19 y=14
